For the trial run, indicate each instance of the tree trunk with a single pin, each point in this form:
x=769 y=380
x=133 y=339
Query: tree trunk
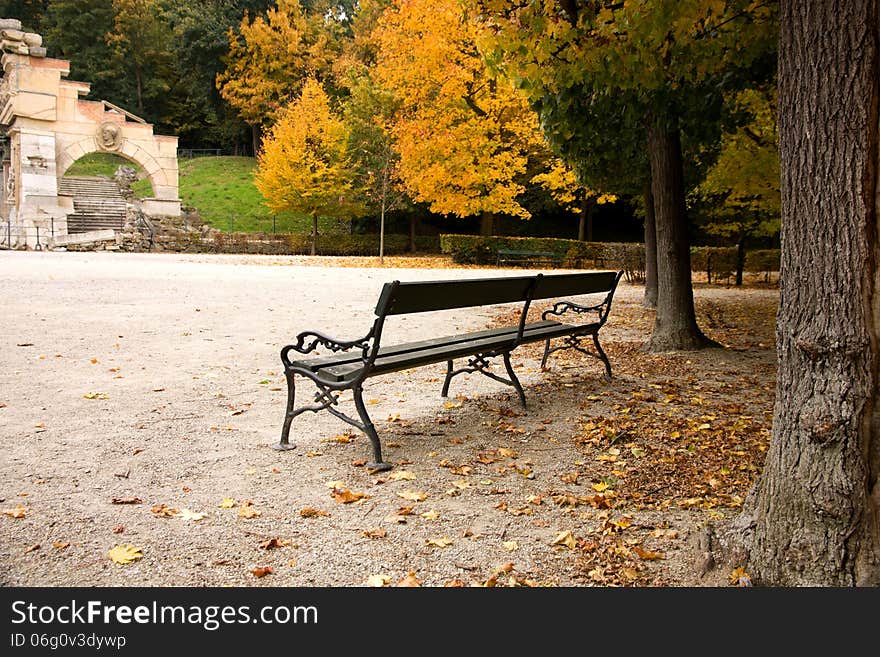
x=255 y=139
x=585 y=225
x=581 y=223
x=487 y=224
x=412 y=233
x=650 y=300
x=812 y=517
x=740 y=258
x=675 y=325
x=314 y=234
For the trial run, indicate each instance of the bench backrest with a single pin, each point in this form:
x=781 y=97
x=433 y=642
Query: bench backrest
x=549 y=286
x=421 y=296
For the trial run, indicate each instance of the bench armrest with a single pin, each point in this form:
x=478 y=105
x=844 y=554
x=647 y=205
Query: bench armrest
x=562 y=307
x=308 y=341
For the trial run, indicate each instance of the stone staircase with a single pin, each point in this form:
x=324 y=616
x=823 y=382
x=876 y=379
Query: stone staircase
x=97 y=204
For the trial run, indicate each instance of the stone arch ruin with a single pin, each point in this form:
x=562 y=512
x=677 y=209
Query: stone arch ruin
x=45 y=127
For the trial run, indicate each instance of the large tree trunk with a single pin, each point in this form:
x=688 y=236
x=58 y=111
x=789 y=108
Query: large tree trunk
x=650 y=300
x=812 y=517
x=675 y=324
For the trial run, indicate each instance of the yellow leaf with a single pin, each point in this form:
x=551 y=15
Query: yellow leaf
x=739 y=577
x=95 y=395
x=510 y=546
x=186 y=514
x=378 y=580
x=248 y=511
x=430 y=515
x=507 y=453
x=566 y=539
x=125 y=553
x=410 y=580
x=312 y=513
x=227 y=503
x=401 y=475
x=647 y=555
x=164 y=511
x=452 y=405
x=251 y=471
x=413 y=496
x=60 y=545
x=335 y=484
x=440 y=542
x=600 y=487
x=17 y=512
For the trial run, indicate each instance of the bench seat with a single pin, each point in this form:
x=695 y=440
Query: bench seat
x=347 y=366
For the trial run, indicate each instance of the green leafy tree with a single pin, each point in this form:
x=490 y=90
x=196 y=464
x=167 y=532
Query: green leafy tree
x=660 y=62
x=304 y=165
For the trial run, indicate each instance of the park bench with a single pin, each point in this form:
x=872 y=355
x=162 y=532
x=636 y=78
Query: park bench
x=520 y=257
x=354 y=361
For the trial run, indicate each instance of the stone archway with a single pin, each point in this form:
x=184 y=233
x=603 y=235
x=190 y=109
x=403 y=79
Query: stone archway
x=45 y=126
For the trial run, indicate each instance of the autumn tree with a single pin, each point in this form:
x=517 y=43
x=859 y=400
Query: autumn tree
x=271 y=56
x=813 y=517
x=742 y=187
x=303 y=165
x=464 y=137
x=565 y=188
x=661 y=62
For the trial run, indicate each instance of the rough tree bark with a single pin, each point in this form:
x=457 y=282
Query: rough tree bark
x=675 y=325
x=650 y=299
x=813 y=516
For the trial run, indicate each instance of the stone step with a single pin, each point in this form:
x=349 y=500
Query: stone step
x=79 y=223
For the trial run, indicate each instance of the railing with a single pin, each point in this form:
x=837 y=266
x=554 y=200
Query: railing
x=190 y=153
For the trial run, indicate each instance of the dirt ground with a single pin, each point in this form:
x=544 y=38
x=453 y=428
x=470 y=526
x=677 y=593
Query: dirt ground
x=140 y=395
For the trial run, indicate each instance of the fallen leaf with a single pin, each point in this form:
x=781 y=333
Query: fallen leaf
x=60 y=545
x=261 y=572
x=440 y=542
x=335 y=484
x=186 y=514
x=410 y=580
x=273 y=543
x=227 y=503
x=118 y=529
x=344 y=496
x=95 y=395
x=24 y=344
x=378 y=580
x=246 y=510
x=125 y=553
x=312 y=513
x=163 y=511
x=566 y=539
x=413 y=496
x=31 y=548
x=401 y=475
x=374 y=533
x=430 y=515
x=570 y=477
x=510 y=546
x=405 y=511
x=739 y=577
x=600 y=487
x=126 y=500
x=17 y=512
x=647 y=555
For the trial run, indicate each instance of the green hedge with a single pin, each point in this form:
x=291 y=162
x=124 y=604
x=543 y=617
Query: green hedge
x=334 y=244
x=481 y=250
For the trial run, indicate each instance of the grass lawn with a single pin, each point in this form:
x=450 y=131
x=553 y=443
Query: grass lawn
x=105 y=164
x=220 y=188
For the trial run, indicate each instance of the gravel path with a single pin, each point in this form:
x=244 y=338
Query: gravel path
x=154 y=379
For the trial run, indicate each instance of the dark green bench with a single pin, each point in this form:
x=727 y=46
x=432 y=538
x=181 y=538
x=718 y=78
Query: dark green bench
x=520 y=257
x=353 y=361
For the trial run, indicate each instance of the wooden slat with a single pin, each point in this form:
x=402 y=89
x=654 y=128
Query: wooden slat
x=566 y=285
x=423 y=296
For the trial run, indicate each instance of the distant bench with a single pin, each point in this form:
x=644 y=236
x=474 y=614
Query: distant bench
x=354 y=361
x=514 y=256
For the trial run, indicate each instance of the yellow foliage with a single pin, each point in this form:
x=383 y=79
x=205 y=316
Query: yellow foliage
x=303 y=165
x=464 y=137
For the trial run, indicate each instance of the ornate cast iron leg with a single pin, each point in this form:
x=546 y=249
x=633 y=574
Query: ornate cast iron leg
x=602 y=355
x=378 y=465
x=284 y=444
x=546 y=353
x=449 y=375
x=513 y=380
